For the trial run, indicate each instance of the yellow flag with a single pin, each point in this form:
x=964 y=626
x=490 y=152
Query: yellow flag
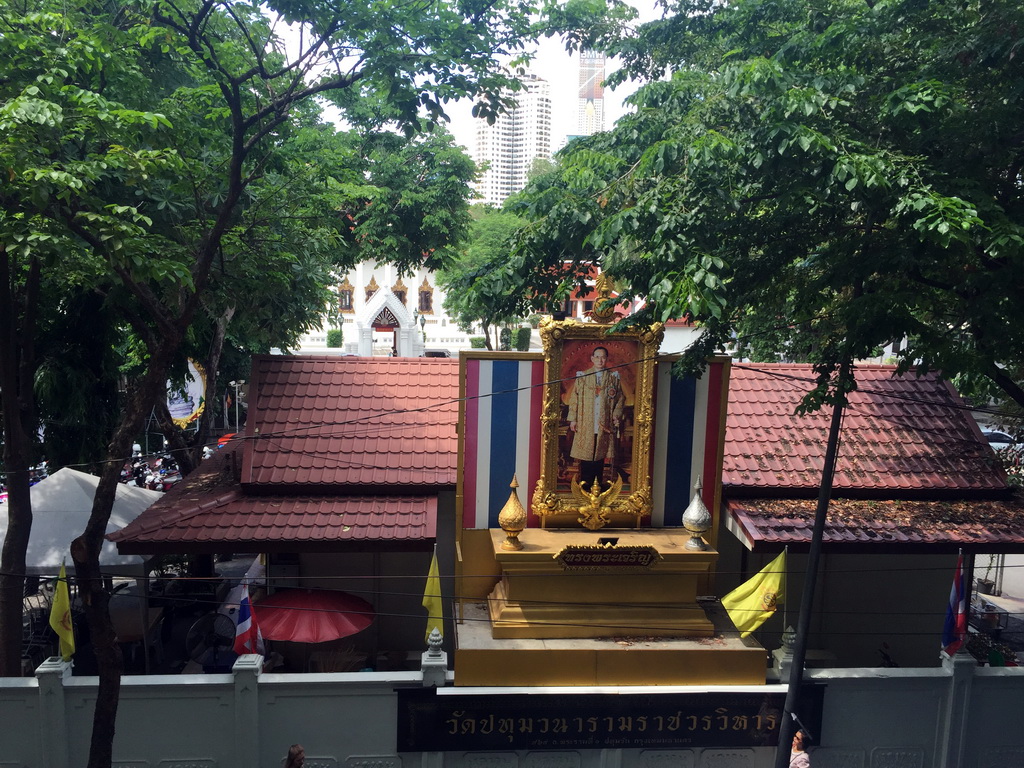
x=753 y=601
x=432 y=599
x=60 y=616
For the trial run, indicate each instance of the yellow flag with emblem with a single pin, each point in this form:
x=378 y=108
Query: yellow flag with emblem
x=60 y=616
x=432 y=599
x=753 y=601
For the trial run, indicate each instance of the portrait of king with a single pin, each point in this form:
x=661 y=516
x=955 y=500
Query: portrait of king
x=596 y=434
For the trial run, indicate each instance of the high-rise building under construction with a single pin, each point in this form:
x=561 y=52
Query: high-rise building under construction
x=591 y=104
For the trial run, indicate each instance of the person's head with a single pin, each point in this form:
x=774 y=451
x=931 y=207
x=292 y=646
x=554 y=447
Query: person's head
x=296 y=756
x=599 y=357
x=801 y=741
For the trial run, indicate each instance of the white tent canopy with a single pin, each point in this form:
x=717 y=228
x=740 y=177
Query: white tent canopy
x=61 y=505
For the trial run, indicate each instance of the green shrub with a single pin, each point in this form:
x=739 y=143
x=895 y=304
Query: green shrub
x=334 y=337
x=505 y=340
x=523 y=339
x=477 y=342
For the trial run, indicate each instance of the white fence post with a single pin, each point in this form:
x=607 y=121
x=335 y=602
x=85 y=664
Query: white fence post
x=952 y=750
x=247 y=669
x=53 y=733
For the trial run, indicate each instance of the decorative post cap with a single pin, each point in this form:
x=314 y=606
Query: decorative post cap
x=512 y=518
x=697 y=519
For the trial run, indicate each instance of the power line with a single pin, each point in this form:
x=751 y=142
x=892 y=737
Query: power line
x=307 y=431
x=639 y=628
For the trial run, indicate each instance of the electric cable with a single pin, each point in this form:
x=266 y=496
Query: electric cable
x=297 y=432
x=668 y=609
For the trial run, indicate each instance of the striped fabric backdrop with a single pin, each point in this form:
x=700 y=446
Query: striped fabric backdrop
x=501 y=426
x=687 y=417
x=501 y=429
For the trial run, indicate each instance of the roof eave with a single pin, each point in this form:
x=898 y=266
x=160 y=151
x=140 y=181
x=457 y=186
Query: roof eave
x=274 y=547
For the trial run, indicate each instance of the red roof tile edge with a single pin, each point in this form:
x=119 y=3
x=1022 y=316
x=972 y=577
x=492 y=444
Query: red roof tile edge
x=769 y=525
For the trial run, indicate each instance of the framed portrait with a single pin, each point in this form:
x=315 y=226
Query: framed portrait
x=596 y=422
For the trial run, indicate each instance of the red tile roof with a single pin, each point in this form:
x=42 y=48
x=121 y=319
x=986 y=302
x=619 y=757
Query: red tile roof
x=210 y=512
x=328 y=422
x=344 y=451
x=338 y=452
x=902 y=436
x=286 y=523
x=859 y=525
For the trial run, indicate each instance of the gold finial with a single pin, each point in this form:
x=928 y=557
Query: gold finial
x=604 y=304
x=512 y=518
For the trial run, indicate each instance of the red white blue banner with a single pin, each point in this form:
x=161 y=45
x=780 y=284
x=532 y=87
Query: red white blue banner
x=688 y=430
x=501 y=436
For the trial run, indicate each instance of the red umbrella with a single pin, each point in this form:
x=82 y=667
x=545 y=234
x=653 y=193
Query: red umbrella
x=312 y=615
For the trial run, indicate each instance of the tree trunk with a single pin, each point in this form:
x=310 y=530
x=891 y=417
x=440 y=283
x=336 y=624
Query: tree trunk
x=86 y=552
x=17 y=400
x=12 y=561
x=109 y=661
x=212 y=385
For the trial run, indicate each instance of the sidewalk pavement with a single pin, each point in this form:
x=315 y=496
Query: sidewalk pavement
x=1013 y=634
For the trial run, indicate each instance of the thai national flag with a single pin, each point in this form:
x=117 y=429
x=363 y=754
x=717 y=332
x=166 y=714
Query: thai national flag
x=501 y=434
x=954 y=633
x=688 y=421
x=247 y=631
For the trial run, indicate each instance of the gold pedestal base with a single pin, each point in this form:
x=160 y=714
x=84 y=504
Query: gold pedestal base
x=482 y=660
x=547 y=620
x=539 y=596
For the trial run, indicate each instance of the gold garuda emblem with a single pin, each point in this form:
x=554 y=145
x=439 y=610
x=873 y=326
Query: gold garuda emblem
x=594 y=507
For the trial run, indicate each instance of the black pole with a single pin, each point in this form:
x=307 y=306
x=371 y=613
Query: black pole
x=796 y=672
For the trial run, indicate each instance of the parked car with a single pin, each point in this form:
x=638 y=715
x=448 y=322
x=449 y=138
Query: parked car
x=997 y=439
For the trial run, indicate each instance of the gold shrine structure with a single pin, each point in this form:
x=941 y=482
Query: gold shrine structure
x=590 y=595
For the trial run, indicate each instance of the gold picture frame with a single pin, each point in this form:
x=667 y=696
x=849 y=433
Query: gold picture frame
x=596 y=424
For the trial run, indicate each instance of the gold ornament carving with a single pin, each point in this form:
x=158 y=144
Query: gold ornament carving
x=595 y=505
x=371 y=287
x=604 y=304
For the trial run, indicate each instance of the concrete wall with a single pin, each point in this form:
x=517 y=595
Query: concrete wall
x=955 y=716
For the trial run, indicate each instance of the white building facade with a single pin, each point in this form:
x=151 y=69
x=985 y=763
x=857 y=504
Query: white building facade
x=384 y=313
x=508 y=148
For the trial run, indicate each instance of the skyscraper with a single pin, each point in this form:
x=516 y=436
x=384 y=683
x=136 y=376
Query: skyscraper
x=591 y=104
x=517 y=138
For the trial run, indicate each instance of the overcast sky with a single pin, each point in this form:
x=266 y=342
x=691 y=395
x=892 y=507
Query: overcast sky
x=562 y=71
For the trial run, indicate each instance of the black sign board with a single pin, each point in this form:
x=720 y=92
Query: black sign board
x=582 y=558
x=428 y=722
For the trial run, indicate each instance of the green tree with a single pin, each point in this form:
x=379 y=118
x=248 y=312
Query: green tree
x=52 y=172
x=477 y=283
x=402 y=200
x=157 y=203
x=839 y=175
x=415 y=208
